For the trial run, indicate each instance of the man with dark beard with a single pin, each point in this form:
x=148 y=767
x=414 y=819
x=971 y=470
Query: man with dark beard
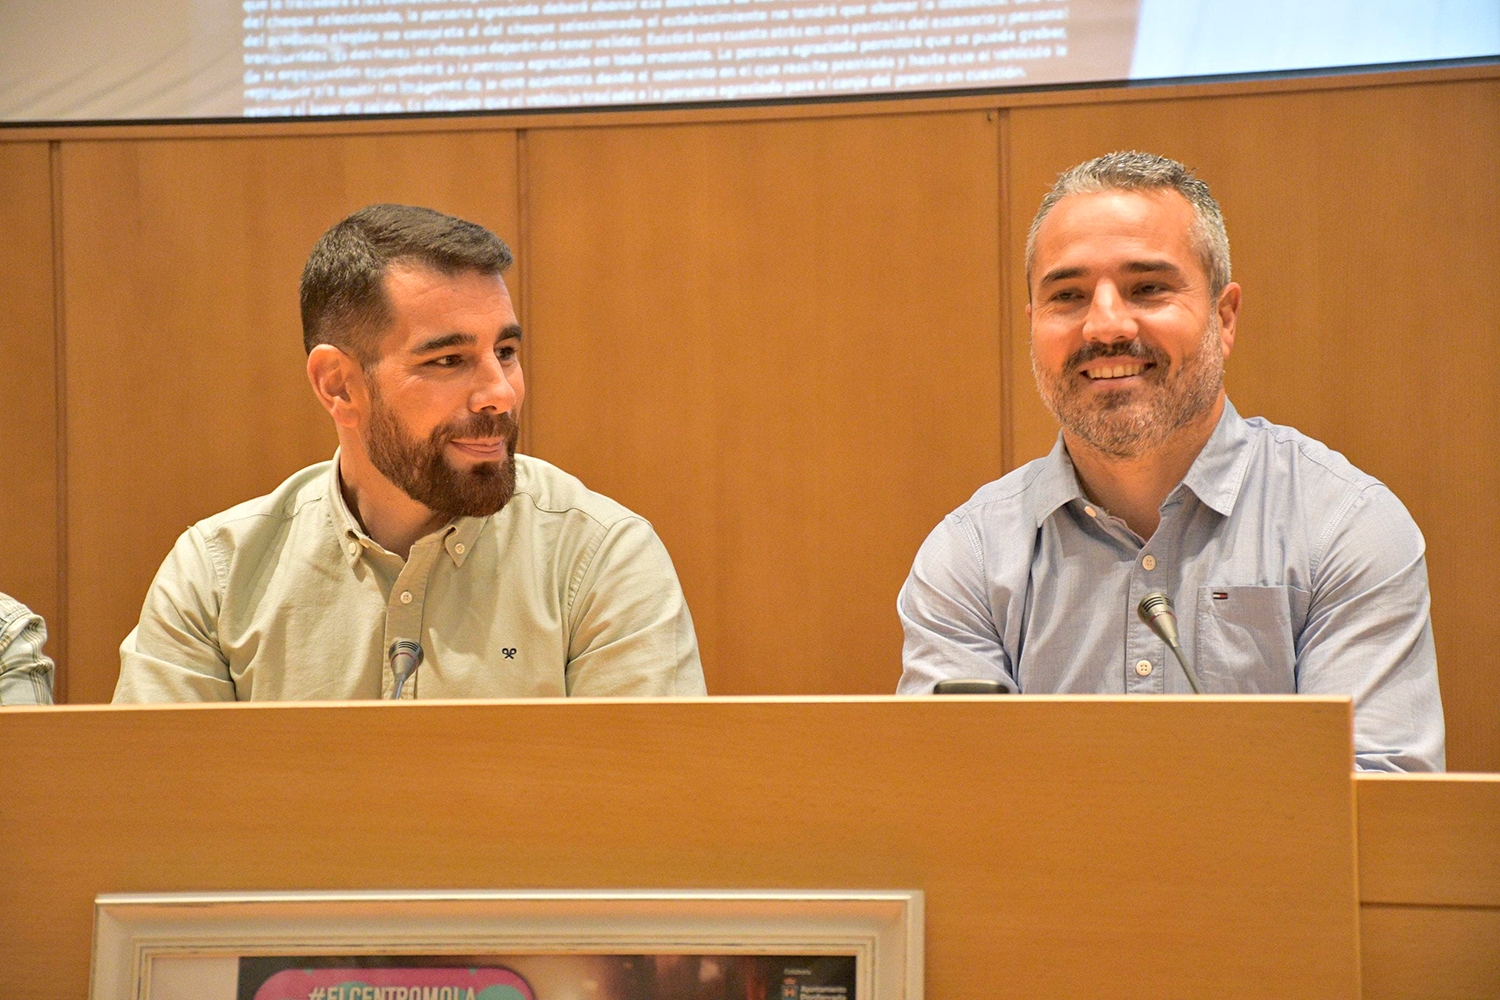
x=514 y=579
x=1291 y=570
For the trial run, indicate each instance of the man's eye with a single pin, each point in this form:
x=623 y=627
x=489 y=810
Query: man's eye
x=1066 y=295
x=506 y=353
x=447 y=361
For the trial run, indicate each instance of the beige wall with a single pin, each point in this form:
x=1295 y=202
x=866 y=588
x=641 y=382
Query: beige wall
x=792 y=337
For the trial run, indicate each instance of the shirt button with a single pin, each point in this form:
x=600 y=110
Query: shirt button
x=354 y=548
x=1091 y=512
x=405 y=597
x=459 y=548
x=1149 y=562
x=1143 y=668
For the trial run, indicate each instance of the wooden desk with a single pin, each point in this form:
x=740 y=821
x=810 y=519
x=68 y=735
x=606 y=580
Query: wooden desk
x=1429 y=886
x=1068 y=847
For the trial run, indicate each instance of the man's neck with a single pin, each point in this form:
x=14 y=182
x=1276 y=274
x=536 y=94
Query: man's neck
x=391 y=518
x=1133 y=489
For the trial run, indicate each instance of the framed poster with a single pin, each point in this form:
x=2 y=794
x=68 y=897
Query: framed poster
x=494 y=945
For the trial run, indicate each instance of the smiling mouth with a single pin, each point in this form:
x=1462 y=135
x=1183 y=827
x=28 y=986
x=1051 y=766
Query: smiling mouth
x=492 y=449
x=1116 y=371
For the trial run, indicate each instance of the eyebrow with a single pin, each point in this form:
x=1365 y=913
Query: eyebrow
x=447 y=340
x=1062 y=274
x=1152 y=267
x=1133 y=267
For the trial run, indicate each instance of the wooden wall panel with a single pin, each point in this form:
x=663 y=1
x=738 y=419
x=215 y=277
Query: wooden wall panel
x=778 y=341
x=28 y=397
x=1429 y=952
x=1101 y=860
x=1429 y=885
x=186 y=388
x=1429 y=840
x=1363 y=227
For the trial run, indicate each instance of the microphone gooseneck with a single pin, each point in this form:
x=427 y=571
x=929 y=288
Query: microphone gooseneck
x=1156 y=611
x=405 y=657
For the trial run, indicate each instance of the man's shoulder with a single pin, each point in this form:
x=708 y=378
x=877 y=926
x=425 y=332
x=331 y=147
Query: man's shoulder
x=547 y=490
x=1296 y=479
x=303 y=489
x=1298 y=454
x=11 y=610
x=1007 y=497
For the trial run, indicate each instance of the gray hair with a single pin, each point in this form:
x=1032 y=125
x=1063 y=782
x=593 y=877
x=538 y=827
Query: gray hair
x=1134 y=171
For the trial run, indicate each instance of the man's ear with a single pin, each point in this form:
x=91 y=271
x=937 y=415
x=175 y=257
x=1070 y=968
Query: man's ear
x=1229 y=313
x=339 y=383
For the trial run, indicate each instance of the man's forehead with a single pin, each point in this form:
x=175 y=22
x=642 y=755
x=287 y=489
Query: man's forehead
x=425 y=303
x=1114 y=227
x=408 y=278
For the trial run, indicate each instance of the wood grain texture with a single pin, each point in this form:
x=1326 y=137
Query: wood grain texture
x=187 y=391
x=1067 y=847
x=1430 y=953
x=28 y=390
x=1429 y=839
x=778 y=342
x=1363 y=226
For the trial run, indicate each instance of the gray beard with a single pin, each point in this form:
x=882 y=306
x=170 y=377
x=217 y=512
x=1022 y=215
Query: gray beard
x=1130 y=424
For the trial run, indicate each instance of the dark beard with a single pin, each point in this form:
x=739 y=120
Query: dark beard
x=422 y=471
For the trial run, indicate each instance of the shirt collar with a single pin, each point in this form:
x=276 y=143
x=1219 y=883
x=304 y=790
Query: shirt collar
x=1055 y=484
x=458 y=535
x=1215 y=476
x=1218 y=473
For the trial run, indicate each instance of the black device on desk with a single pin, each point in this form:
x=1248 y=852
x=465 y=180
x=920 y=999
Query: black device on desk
x=969 y=685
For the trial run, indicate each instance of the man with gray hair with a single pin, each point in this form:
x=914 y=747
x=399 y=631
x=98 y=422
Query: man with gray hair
x=427 y=559
x=1291 y=570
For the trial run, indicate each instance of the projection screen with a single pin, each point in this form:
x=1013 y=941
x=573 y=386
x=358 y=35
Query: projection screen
x=113 y=60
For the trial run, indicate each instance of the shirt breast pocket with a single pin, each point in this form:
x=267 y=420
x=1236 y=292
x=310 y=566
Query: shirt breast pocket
x=1247 y=639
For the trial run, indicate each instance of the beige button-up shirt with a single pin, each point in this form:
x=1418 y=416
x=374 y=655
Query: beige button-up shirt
x=563 y=592
x=25 y=671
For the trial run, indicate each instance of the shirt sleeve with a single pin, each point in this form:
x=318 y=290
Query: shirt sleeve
x=25 y=671
x=1369 y=635
x=630 y=633
x=173 y=654
x=944 y=606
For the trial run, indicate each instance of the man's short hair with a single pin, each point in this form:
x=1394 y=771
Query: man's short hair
x=1134 y=171
x=343 y=285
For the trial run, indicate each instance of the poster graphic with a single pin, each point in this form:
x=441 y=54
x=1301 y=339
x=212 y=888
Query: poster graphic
x=548 y=977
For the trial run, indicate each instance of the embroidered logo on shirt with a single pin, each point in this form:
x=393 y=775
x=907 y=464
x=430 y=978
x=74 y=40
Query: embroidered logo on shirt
x=510 y=652
x=1220 y=595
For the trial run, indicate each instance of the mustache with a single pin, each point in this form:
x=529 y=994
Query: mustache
x=480 y=425
x=1136 y=349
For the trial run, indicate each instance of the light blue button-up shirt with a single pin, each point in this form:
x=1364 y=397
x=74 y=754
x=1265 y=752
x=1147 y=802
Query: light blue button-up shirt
x=1291 y=571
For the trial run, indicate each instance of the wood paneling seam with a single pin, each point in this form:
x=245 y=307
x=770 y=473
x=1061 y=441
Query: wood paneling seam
x=523 y=255
x=60 y=630
x=1007 y=360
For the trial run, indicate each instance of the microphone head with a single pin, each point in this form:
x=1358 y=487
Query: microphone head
x=407 y=646
x=1155 y=610
x=1153 y=604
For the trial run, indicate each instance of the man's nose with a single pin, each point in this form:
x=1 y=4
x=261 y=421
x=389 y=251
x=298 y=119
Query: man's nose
x=1109 y=319
x=493 y=391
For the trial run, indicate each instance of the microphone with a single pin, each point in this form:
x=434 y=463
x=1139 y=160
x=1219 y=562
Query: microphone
x=1156 y=611
x=405 y=657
